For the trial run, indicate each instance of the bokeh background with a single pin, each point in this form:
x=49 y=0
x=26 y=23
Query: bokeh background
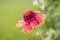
x=12 y=10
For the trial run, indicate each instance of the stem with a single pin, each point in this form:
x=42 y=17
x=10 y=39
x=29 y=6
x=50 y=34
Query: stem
x=40 y=34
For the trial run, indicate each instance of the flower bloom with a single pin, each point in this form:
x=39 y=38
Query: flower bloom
x=31 y=20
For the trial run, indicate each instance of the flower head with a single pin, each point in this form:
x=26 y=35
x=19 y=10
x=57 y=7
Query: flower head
x=31 y=20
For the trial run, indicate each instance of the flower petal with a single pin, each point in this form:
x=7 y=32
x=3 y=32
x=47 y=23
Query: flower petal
x=34 y=24
x=20 y=24
x=27 y=28
x=40 y=18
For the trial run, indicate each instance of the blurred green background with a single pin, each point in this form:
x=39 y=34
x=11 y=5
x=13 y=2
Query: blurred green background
x=12 y=10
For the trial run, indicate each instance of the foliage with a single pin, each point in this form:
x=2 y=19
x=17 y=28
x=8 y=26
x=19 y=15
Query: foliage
x=52 y=10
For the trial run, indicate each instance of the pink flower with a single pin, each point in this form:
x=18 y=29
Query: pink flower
x=31 y=20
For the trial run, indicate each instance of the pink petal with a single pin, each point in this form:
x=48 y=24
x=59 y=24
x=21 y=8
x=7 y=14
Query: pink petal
x=20 y=23
x=34 y=24
x=27 y=28
x=40 y=18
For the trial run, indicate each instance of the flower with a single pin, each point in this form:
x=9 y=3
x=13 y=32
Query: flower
x=31 y=20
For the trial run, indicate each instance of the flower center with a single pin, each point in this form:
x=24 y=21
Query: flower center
x=29 y=16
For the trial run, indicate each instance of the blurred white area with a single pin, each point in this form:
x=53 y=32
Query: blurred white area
x=49 y=34
x=39 y=3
